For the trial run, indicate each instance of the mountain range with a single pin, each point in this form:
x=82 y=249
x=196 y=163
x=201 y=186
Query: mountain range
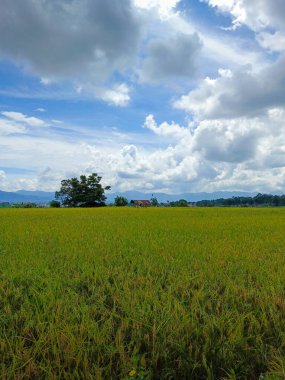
x=43 y=197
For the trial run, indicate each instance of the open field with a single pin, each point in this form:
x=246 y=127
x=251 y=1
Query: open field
x=142 y=293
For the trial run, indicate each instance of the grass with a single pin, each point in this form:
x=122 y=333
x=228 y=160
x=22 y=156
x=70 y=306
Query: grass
x=119 y=293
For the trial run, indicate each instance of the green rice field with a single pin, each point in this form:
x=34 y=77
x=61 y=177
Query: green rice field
x=130 y=293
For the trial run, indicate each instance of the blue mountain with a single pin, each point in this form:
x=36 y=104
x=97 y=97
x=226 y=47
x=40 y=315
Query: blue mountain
x=43 y=197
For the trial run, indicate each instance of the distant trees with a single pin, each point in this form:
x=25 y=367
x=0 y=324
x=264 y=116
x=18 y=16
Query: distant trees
x=258 y=200
x=180 y=203
x=82 y=192
x=121 y=201
x=26 y=205
x=54 y=204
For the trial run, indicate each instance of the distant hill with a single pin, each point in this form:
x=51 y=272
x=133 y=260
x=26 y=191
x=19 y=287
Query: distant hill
x=26 y=196
x=45 y=197
x=190 y=197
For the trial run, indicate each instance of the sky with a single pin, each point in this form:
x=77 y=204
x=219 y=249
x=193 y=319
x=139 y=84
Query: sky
x=153 y=95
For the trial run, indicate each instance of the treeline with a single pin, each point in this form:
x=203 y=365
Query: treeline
x=26 y=205
x=258 y=200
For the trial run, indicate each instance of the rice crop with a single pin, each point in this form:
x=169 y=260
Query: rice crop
x=130 y=293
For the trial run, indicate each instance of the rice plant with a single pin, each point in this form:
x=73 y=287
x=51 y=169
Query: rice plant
x=186 y=293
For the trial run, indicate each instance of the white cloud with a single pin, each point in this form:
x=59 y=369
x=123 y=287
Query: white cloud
x=8 y=127
x=20 y=117
x=237 y=93
x=2 y=176
x=165 y=7
x=261 y=16
x=241 y=154
x=172 y=130
x=118 y=95
x=274 y=42
x=229 y=140
x=236 y=137
x=257 y=14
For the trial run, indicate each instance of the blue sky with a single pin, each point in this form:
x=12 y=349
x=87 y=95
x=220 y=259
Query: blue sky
x=154 y=95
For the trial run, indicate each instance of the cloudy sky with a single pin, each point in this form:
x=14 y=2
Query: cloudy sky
x=154 y=95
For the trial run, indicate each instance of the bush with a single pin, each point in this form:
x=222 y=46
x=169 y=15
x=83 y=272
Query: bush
x=54 y=204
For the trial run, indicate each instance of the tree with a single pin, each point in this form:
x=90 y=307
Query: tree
x=154 y=201
x=82 y=192
x=54 y=204
x=182 y=203
x=121 y=201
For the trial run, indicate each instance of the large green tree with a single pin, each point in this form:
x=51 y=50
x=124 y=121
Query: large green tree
x=82 y=192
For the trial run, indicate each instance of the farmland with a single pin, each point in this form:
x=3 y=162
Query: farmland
x=158 y=293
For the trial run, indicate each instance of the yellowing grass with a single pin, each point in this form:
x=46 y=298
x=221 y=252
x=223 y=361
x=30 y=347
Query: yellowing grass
x=142 y=293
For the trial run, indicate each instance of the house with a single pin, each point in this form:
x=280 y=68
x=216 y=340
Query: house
x=141 y=203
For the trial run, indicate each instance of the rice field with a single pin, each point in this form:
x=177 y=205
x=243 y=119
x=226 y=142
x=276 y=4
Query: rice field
x=158 y=293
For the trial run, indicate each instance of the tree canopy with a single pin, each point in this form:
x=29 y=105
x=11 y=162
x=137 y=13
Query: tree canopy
x=82 y=192
x=154 y=201
x=54 y=204
x=258 y=200
x=121 y=201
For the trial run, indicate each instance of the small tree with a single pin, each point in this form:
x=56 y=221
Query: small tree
x=121 y=201
x=54 y=204
x=82 y=192
x=154 y=201
x=182 y=203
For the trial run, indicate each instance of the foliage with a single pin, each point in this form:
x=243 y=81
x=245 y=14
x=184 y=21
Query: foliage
x=180 y=203
x=5 y=205
x=194 y=293
x=54 y=204
x=121 y=201
x=154 y=201
x=258 y=200
x=82 y=192
x=26 y=205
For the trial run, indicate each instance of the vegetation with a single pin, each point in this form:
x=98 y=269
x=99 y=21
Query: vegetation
x=193 y=293
x=82 y=192
x=121 y=201
x=154 y=201
x=258 y=200
x=54 y=204
x=5 y=205
x=26 y=205
x=180 y=203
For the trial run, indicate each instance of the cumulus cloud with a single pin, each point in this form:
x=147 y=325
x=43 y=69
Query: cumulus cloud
x=217 y=154
x=172 y=130
x=262 y=16
x=235 y=154
x=165 y=7
x=237 y=93
x=229 y=140
x=236 y=138
x=256 y=14
x=274 y=42
x=70 y=39
x=90 y=42
x=175 y=57
x=118 y=95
